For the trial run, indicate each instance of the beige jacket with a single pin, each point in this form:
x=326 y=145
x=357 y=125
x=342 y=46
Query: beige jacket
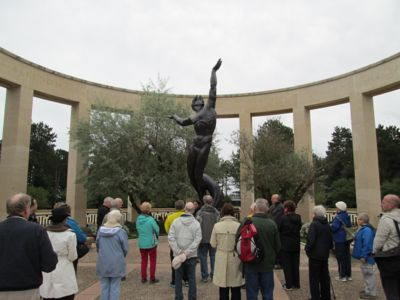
x=228 y=267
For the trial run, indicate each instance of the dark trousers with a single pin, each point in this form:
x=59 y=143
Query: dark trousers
x=290 y=264
x=70 y=297
x=185 y=277
x=224 y=293
x=342 y=251
x=389 y=269
x=319 y=279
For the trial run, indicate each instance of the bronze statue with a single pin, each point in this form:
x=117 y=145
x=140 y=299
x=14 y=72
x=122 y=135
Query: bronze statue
x=204 y=121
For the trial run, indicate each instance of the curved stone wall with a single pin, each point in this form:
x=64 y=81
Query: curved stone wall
x=24 y=80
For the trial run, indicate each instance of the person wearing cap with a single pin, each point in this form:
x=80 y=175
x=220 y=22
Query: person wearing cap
x=342 y=246
x=25 y=252
x=184 y=237
x=61 y=283
x=112 y=248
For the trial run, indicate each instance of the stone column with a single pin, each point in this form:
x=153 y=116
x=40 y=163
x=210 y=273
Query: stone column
x=366 y=165
x=76 y=193
x=15 y=147
x=303 y=144
x=246 y=178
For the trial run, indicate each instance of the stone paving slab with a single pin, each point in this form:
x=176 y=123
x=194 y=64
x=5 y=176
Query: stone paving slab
x=132 y=288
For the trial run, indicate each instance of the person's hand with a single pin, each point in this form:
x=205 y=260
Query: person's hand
x=217 y=65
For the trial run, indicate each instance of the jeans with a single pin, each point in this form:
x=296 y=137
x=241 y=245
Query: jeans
x=367 y=272
x=343 y=257
x=110 y=288
x=204 y=249
x=224 y=293
x=319 y=279
x=188 y=267
x=145 y=253
x=256 y=281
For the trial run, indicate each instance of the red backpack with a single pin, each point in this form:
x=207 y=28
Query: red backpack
x=247 y=246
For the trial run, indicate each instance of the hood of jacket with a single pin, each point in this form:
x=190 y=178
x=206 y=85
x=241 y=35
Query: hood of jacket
x=187 y=219
x=143 y=219
x=208 y=208
x=108 y=232
x=293 y=218
x=393 y=214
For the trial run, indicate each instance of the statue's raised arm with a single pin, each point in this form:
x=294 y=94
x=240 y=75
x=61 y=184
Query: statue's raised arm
x=212 y=96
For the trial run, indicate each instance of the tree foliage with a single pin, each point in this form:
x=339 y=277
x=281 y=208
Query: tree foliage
x=275 y=167
x=47 y=166
x=138 y=153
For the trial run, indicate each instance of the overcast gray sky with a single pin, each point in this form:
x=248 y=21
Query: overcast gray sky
x=264 y=45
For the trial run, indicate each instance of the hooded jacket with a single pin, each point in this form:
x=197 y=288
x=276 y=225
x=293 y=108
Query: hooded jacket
x=319 y=239
x=339 y=234
x=386 y=236
x=185 y=235
x=207 y=216
x=112 y=247
x=363 y=242
x=148 y=231
x=289 y=227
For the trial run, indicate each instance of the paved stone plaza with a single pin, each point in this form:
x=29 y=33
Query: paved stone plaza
x=132 y=288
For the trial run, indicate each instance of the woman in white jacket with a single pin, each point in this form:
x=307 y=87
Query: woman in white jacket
x=228 y=268
x=61 y=283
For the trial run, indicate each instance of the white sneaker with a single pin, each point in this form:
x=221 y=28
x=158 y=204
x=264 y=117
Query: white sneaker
x=343 y=279
x=349 y=279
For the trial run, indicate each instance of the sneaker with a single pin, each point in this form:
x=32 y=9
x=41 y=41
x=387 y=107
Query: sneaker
x=172 y=285
x=286 y=288
x=204 y=280
x=123 y=278
x=343 y=279
x=349 y=279
x=154 y=281
x=186 y=283
x=277 y=267
x=144 y=280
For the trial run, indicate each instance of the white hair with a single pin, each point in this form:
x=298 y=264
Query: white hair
x=261 y=205
x=319 y=211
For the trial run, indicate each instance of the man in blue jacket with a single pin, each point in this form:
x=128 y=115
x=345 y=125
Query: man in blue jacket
x=363 y=243
x=342 y=247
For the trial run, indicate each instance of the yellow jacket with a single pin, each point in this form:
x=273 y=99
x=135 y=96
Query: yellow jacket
x=171 y=218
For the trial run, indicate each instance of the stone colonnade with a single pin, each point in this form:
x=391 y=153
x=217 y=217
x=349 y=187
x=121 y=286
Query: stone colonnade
x=25 y=80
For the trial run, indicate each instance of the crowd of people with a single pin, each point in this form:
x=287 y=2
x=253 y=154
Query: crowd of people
x=42 y=262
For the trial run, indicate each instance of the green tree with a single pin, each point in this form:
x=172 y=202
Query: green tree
x=275 y=167
x=137 y=153
x=388 y=140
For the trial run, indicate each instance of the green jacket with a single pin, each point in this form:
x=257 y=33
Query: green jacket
x=269 y=238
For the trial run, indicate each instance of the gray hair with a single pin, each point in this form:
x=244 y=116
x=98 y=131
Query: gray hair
x=207 y=199
x=17 y=204
x=261 y=205
x=179 y=204
x=363 y=216
x=319 y=211
x=116 y=201
x=108 y=200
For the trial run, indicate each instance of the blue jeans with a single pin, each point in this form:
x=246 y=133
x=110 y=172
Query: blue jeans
x=110 y=288
x=204 y=249
x=188 y=267
x=256 y=281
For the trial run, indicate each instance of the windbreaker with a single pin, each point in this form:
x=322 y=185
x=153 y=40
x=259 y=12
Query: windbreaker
x=148 y=231
x=363 y=242
x=339 y=234
x=386 y=236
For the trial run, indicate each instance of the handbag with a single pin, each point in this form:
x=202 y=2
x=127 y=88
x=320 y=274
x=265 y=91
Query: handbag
x=349 y=233
x=82 y=250
x=391 y=252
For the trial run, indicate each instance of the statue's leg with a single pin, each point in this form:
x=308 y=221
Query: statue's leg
x=213 y=188
x=191 y=165
x=201 y=163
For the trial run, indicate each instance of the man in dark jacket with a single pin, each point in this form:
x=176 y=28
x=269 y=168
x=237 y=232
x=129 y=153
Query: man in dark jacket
x=319 y=243
x=207 y=216
x=103 y=210
x=260 y=276
x=25 y=252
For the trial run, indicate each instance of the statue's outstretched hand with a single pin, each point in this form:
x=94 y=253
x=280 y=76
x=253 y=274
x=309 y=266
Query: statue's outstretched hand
x=217 y=65
x=172 y=117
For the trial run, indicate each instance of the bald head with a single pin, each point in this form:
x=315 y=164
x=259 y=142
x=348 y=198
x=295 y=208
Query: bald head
x=275 y=198
x=19 y=205
x=390 y=202
x=189 y=208
x=108 y=202
x=118 y=203
x=207 y=199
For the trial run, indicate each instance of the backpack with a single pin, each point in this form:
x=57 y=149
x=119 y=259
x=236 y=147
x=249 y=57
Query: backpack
x=247 y=246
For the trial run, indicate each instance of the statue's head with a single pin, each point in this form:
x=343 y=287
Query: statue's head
x=197 y=103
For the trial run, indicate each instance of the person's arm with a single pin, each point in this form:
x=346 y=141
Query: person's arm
x=155 y=227
x=182 y=121
x=172 y=240
x=382 y=234
x=310 y=238
x=336 y=224
x=212 y=96
x=367 y=240
x=72 y=254
x=213 y=239
x=124 y=242
x=195 y=244
x=48 y=258
x=167 y=224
